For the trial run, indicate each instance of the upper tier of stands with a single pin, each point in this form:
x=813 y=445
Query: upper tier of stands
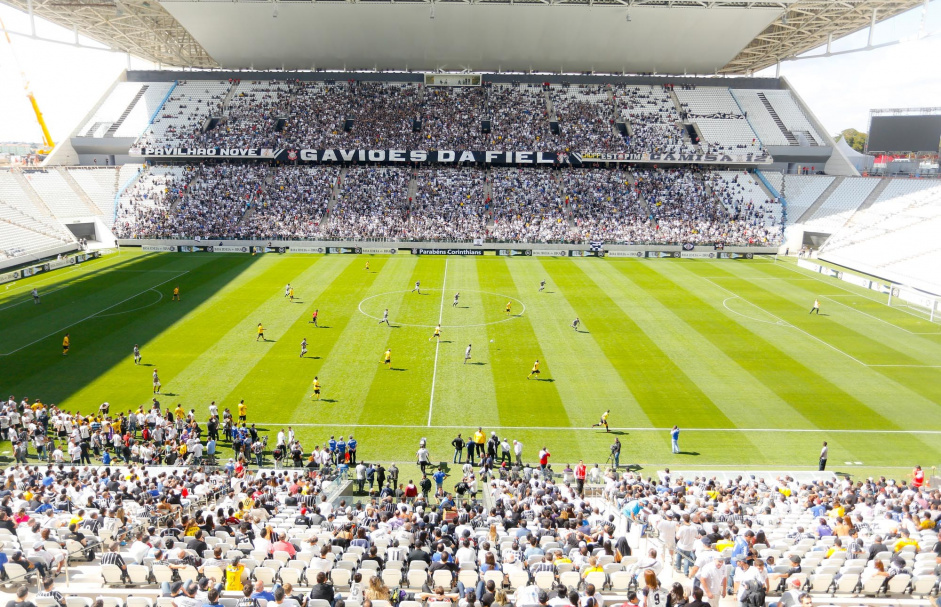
x=363 y=114
x=840 y=205
x=800 y=191
x=127 y=110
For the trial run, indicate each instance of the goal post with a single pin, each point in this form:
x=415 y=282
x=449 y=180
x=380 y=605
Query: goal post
x=901 y=296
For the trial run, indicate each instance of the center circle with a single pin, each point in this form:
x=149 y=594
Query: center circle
x=370 y=308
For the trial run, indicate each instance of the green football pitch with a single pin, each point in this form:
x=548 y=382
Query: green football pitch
x=725 y=349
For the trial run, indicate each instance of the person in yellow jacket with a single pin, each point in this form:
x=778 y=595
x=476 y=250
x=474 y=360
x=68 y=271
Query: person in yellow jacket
x=479 y=439
x=234 y=574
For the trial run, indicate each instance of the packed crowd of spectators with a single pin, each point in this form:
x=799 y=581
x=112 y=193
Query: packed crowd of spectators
x=254 y=201
x=449 y=204
x=293 y=204
x=586 y=118
x=451 y=119
x=371 y=202
x=527 y=206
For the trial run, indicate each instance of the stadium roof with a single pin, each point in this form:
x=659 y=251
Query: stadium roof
x=667 y=36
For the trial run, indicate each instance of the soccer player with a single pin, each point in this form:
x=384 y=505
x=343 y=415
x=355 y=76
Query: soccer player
x=604 y=421
x=508 y=305
x=385 y=318
x=291 y=293
x=313 y=318
x=157 y=383
x=542 y=285
x=35 y=296
x=437 y=334
x=136 y=355
x=176 y=294
x=456 y=297
x=243 y=410
x=387 y=359
x=575 y=323
x=287 y=289
x=316 y=394
x=816 y=307
x=261 y=333
x=467 y=354
x=303 y=347
x=417 y=287
x=65 y=344
x=535 y=370
x=367 y=265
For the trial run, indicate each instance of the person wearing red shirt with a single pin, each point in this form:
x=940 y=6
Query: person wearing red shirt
x=580 y=472
x=411 y=491
x=544 y=459
x=918 y=477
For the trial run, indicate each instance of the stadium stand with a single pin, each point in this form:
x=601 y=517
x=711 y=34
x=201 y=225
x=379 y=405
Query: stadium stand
x=527 y=206
x=371 y=202
x=293 y=204
x=56 y=193
x=840 y=205
x=451 y=118
x=520 y=118
x=892 y=237
x=799 y=191
x=449 y=204
x=123 y=96
x=586 y=118
x=719 y=118
x=776 y=117
x=653 y=118
x=744 y=199
x=184 y=113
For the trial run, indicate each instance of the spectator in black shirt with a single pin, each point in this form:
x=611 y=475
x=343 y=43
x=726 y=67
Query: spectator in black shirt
x=76 y=535
x=49 y=592
x=21 y=601
x=418 y=554
x=113 y=557
x=322 y=590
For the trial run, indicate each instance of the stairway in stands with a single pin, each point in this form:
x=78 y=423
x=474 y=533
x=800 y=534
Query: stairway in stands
x=130 y=106
x=791 y=139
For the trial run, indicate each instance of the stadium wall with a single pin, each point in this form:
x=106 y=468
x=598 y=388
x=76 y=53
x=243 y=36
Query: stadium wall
x=24 y=260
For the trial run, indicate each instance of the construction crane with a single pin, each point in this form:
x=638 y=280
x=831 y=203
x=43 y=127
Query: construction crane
x=47 y=143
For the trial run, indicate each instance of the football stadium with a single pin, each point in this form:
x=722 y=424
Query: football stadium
x=569 y=303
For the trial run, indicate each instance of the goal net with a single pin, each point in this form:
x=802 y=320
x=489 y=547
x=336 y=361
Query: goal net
x=919 y=302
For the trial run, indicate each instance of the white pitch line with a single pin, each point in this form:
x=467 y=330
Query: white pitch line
x=783 y=322
x=869 y=315
x=55 y=275
x=95 y=314
x=910 y=366
x=833 y=284
x=434 y=375
x=41 y=295
x=570 y=429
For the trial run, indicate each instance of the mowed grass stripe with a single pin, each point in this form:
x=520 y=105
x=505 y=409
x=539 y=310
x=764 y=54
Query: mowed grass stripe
x=98 y=343
x=219 y=373
x=28 y=322
x=131 y=384
x=465 y=393
x=521 y=401
x=748 y=371
x=906 y=349
x=749 y=362
x=328 y=281
x=593 y=356
x=353 y=360
x=844 y=331
x=661 y=387
x=403 y=388
x=898 y=406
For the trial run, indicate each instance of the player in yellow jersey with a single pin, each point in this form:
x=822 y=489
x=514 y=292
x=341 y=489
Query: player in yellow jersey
x=316 y=394
x=291 y=294
x=65 y=344
x=242 y=410
x=604 y=421
x=387 y=359
x=261 y=333
x=367 y=265
x=535 y=370
x=437 y=334
x=179 y=413
x=176 y=294
x=508 y=305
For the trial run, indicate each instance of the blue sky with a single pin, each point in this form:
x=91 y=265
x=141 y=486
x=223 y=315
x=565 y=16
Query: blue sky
x=840 y=90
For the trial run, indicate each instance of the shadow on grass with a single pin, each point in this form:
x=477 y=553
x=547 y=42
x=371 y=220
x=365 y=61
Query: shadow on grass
x=326 y=400
x=687 y=453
